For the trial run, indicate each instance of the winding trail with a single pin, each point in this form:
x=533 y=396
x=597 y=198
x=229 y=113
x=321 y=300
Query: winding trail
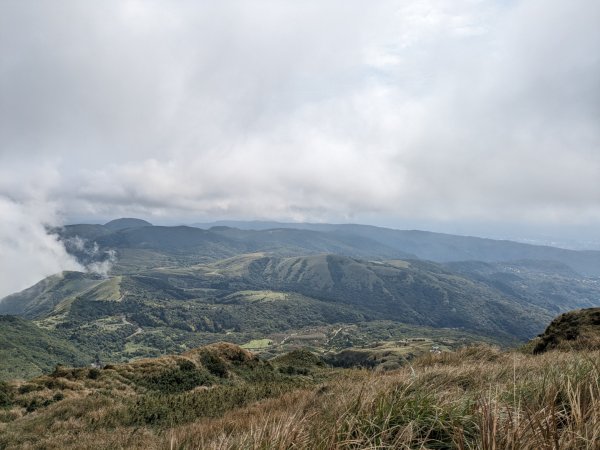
x=136 y=332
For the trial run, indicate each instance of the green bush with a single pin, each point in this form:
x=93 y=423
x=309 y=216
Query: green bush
x=184 y=377
x=6 y=394
x=29 y=387
x=214 y=365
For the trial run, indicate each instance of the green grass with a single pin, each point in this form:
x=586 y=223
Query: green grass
x=258 y=296
x=257 y=344
x=109 y=290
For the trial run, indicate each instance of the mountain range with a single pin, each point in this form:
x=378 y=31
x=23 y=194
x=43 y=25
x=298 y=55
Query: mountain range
x=151 y=290
x=224 y=239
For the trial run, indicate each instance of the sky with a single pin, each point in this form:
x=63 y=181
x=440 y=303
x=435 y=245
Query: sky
x=472 y=116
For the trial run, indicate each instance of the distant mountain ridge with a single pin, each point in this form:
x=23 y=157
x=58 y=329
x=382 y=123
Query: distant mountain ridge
x=225 y=239
x=441 y=247
x=126 y=222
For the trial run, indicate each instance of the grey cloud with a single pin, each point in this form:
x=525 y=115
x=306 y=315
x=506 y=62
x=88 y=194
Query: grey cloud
x=413 y=110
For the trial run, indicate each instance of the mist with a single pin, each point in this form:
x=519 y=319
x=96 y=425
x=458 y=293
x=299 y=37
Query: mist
x=29 y=253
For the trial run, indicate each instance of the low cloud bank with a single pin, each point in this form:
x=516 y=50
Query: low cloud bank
x=28 y=252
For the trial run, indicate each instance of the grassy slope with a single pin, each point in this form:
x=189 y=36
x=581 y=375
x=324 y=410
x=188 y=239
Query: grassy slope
x=478 y=397
x=40 y=299
x=26 y=350
x=153 y=393
x=578 y=329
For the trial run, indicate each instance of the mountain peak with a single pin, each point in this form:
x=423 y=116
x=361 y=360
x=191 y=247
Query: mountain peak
x=126 y=222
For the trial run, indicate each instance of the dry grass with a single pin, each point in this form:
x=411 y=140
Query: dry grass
x=476 y=398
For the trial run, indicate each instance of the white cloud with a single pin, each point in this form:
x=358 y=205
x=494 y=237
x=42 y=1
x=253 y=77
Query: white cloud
x=28 y=252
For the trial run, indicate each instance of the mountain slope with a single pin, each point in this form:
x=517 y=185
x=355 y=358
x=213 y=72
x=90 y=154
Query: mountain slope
x=139 y=244
x=143 y=247
x=574 y=330
x=257 y=296
x=442 y=247
x=41 y=299
x=410 y=292
x=127 y=222
x=27 y=350
x=551 y=285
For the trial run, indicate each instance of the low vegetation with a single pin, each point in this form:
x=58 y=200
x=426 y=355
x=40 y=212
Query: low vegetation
x=27 y=350
x=223 y=397
x=574 y=330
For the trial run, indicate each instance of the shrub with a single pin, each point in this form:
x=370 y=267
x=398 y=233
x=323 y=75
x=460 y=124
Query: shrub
x=29 y=387
x=214 y=364
x=6 y=394
x=184 y=377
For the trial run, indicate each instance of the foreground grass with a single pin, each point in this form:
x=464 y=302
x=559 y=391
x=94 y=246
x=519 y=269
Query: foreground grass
x=476 y=398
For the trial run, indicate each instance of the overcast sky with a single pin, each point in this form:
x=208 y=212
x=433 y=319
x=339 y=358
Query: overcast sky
x=466 y=115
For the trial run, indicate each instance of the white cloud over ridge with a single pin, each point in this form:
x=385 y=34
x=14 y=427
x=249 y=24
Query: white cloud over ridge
x=429 y=110
x=29 y=253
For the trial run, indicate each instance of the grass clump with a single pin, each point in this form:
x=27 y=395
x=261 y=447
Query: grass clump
x=183 y=377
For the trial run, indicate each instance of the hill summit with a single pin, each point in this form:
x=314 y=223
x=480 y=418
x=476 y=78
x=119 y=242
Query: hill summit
x=126 y=222
x=573 y=330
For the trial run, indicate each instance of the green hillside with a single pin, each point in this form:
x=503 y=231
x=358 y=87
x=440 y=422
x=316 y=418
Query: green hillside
x=261 y=297
x=548 y=284
x=138 y=244
x=175 y=288
x=27 y=351
x=415 y=292
x=42 y=298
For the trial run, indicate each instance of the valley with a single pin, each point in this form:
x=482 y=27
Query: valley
x=171 y=289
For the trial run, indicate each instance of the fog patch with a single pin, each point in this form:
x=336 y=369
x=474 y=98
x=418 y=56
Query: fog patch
x=104 y=266
x=90 y=255
x=28 y=251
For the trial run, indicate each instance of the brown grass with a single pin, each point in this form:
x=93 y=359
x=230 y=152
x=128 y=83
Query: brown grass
x=476 y=398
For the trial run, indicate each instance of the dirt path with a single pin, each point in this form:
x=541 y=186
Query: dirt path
x=335 y=333
x=136 y=332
